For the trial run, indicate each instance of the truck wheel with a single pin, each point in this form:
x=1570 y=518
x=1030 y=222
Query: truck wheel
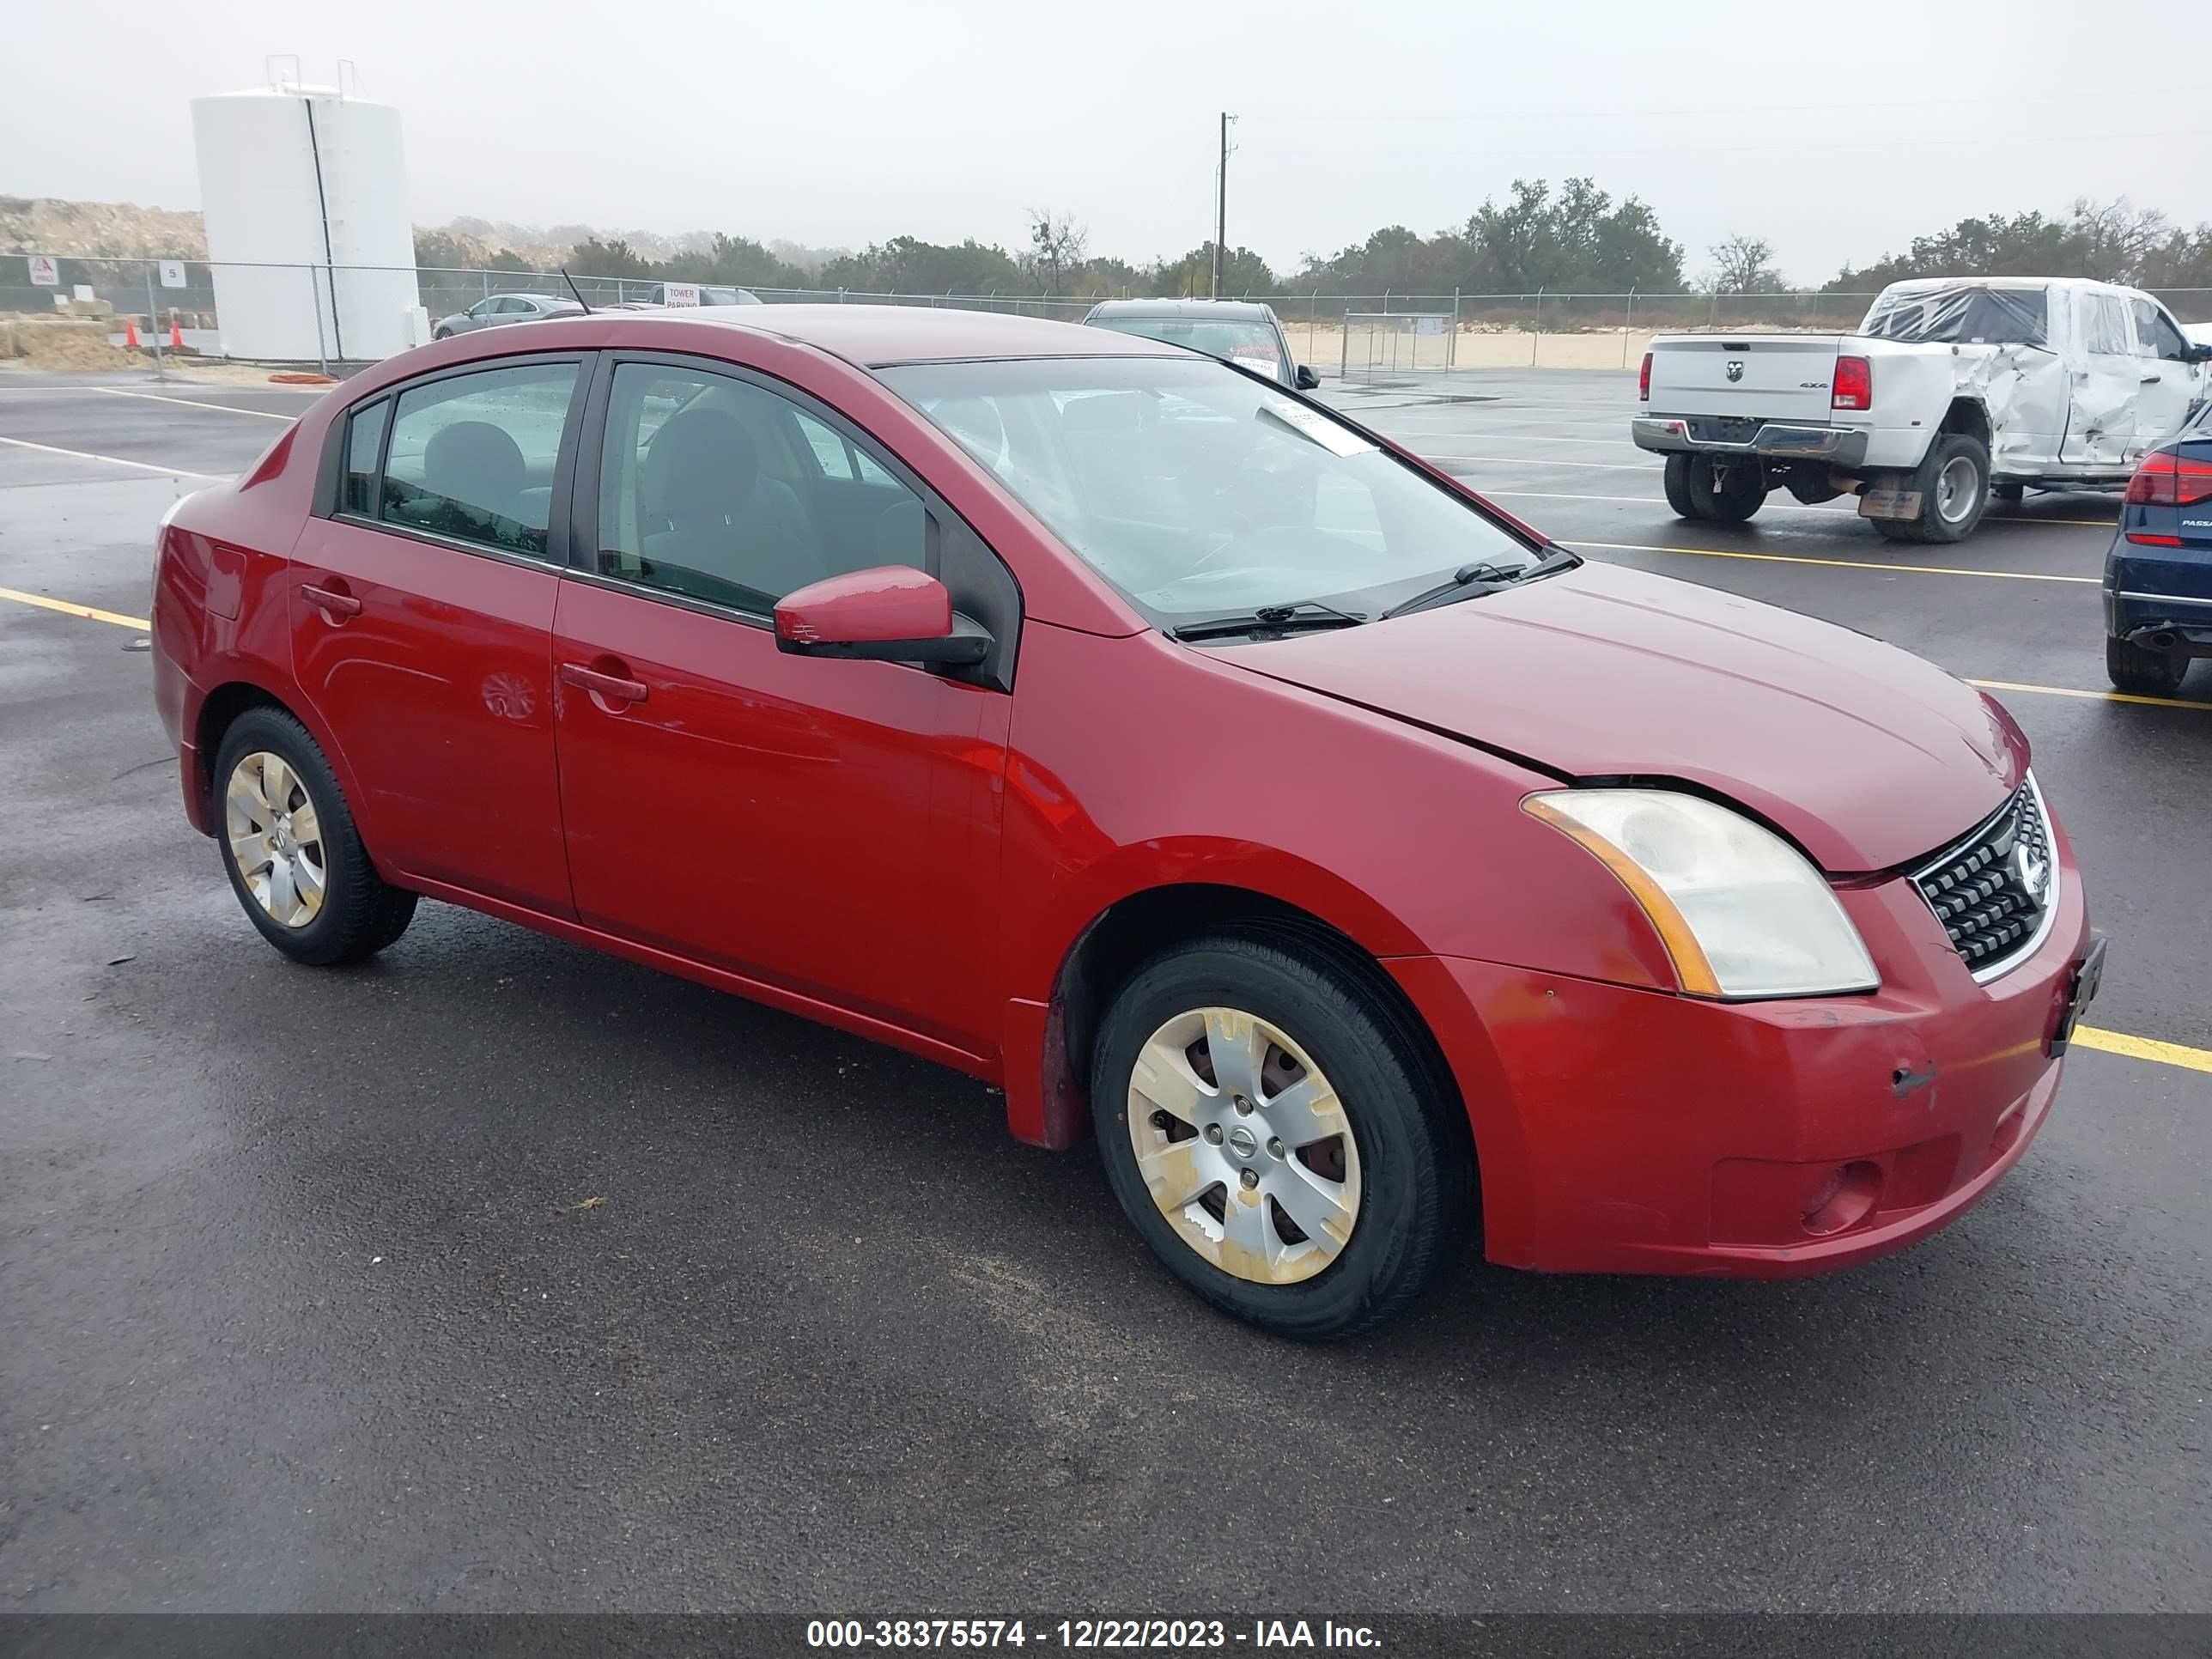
x=1953 y=482
x=2142 y=671
x=1697 y=489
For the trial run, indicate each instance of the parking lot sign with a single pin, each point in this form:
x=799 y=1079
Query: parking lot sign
x=45 y=270
x=680 y=294
x=172 y=273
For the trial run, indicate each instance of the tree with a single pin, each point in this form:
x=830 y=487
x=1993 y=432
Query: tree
x=436 y=251
x=1057 y=247
x=509 y=259
x=593 y=258
x=1744 y=264
x=2112 y=241
x=1191 y=277
x=907 y=264
x=2183 y=261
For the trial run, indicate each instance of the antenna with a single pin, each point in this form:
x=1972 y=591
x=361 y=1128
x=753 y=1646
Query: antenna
x=573 y=290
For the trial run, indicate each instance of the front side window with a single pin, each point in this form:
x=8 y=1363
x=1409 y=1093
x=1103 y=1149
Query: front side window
x=2156 y=335
x=1251 y=345
x=472 y=456
x=1201 y=493
x=716 y=489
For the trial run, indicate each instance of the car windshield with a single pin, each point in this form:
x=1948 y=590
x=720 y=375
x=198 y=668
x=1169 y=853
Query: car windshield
x=1251 y=343
x=1200 y=493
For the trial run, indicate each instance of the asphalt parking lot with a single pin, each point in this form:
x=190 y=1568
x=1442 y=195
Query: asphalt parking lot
x=501 y=1275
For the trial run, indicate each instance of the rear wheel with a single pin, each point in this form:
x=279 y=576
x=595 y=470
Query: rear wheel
x=1953 y=482
x=1273 y=1135
x=2142 y=672
x=1723 y=492
x=289 y=845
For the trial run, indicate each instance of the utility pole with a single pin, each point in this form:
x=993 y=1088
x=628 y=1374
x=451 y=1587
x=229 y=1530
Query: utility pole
x=1221 y=211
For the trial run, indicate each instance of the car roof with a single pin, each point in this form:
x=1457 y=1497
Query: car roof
x=877 y=336
x=1230 y=310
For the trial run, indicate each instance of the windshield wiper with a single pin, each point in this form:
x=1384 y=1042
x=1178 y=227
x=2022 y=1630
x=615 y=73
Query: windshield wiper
x=1270 y=619
x=1484 y=578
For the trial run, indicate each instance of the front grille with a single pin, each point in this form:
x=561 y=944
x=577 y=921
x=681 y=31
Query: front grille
x=1993 y=891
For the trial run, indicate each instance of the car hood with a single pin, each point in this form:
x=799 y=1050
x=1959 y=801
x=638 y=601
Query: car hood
x=1868 y=756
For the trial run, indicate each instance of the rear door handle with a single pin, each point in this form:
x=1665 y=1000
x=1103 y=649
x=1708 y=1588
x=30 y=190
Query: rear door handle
x=606 y=685
x=331 y=604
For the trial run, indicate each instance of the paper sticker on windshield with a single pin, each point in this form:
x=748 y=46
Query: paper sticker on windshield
x=1337 y=439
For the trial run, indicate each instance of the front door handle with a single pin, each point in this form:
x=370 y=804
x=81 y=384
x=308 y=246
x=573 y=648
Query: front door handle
x=611 y=686
x=2150 y=380
x=332 y=604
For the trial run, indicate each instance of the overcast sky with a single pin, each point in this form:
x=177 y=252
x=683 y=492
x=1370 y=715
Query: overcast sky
x=1836 y=132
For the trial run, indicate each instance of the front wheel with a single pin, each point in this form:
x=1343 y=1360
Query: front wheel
x=1725 y=492
x=441 y=334
x=1273 y=1135
x=2142 y=671
x=294 y=856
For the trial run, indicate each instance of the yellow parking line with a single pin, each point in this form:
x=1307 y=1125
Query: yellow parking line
x=194 y=402
x=2091 y=697
x=2136 y=1048
x=114 y=460
x=88 y=612
x=1841 y=564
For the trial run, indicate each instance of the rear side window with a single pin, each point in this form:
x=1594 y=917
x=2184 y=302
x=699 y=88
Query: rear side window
x=2105 y=325
x=472 y=456
x=364 y=446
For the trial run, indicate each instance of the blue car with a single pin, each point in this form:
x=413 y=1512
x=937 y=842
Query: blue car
x=2158 y=577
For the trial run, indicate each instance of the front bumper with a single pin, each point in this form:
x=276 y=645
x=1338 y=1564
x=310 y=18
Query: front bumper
x=1670 y=434
x=1631 y=1131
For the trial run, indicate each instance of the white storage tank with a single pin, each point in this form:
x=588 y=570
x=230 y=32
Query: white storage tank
x=304 y=193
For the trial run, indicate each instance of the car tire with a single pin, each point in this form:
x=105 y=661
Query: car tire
x=1953 y=482
x=1695 y=489
x=2142 y=671
x=441 y=334
x=1393 y=1189
x=269 y=771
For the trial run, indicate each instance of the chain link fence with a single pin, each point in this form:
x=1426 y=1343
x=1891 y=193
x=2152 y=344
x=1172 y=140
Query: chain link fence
x=335 y=315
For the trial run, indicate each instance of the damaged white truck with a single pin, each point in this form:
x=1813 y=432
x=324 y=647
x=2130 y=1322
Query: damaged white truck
x=1952 y=392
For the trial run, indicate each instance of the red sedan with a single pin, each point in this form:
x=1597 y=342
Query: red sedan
x=1131 y=732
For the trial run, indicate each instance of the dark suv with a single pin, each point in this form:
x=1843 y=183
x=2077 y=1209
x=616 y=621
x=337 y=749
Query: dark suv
x=2158 y=577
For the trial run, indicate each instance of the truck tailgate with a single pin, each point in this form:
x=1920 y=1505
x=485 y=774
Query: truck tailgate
x=1757 y=377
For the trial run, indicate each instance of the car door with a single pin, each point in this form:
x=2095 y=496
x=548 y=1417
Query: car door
x=828 y=828
x=2100 y=422
x=2168 y=383
x=422 y=617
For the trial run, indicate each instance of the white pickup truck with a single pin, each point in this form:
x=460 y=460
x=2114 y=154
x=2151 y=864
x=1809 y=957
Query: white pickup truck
x=1951 y=391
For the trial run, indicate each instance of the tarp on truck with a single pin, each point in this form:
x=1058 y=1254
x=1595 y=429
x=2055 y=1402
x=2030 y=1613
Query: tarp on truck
x=1963 y=313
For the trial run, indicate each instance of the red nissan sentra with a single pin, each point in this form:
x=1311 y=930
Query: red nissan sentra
x=1123 y=729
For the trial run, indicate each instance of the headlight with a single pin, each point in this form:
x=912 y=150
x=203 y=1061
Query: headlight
x=1741 y=911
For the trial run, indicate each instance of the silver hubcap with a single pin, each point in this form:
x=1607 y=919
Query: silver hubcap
x=1244 y=1146
x=1955 y=488
x=275 y=839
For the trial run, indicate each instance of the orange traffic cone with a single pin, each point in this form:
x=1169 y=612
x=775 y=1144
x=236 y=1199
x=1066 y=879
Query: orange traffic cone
x=176 y=334
x=129 y=334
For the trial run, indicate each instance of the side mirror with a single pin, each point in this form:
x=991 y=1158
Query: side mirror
x=2201 y=354
x=1305 y=380
x=893 y=613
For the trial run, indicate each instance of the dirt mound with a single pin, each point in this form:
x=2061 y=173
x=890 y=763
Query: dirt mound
x=89 y=230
